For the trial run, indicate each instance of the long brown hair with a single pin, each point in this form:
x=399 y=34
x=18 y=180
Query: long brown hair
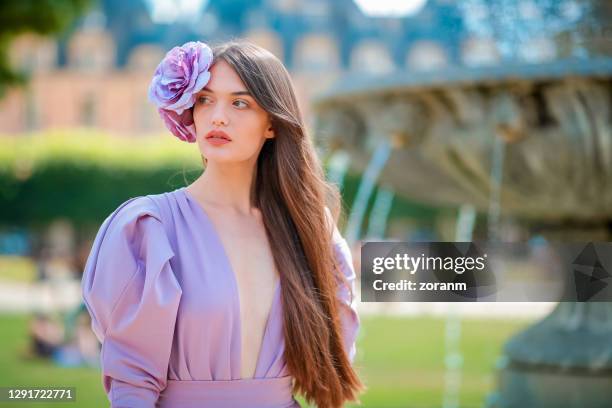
x=291 y=192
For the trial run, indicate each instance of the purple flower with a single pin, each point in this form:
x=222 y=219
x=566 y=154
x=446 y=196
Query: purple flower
x=181 y=126
x=182 y=73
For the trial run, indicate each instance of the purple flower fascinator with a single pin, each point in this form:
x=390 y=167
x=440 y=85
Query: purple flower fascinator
x=182 y=73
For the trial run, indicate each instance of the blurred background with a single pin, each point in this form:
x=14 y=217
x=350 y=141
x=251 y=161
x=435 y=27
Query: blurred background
x=439 y=120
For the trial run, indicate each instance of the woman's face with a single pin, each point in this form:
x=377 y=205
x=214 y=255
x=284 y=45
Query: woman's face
x=224 y=104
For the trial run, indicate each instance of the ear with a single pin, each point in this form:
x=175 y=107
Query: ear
x=270 y=131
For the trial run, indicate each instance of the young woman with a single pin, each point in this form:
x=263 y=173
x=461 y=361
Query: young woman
x=236 y=290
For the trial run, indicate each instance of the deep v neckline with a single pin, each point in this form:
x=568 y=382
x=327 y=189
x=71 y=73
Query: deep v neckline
x=228 y=266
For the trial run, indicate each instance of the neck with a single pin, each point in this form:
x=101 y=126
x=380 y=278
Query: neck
x=227 y=186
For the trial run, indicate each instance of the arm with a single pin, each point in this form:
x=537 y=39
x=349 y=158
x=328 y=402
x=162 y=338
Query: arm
x=132 y=296
x=348 y=312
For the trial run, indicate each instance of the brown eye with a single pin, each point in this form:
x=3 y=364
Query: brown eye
x=245 y=105
x=202 y=99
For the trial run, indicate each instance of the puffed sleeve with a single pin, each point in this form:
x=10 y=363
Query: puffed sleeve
x=132 y=296
x=349 y=317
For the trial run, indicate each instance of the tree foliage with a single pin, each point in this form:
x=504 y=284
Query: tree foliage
x=44 y=17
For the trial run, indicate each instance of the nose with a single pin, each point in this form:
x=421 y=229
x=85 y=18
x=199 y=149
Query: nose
x=219 y=117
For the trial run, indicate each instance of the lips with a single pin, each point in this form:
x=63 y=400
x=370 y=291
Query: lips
x=218 y=134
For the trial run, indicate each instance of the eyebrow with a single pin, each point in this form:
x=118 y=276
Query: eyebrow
x=233 y=93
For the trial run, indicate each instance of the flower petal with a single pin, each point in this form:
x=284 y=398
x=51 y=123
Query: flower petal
x=183 y=72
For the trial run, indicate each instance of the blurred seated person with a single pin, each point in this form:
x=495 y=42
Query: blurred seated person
x=72 y=344
x=46 y=335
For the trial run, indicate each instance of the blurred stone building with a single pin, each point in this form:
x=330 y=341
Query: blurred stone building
x=97 y=75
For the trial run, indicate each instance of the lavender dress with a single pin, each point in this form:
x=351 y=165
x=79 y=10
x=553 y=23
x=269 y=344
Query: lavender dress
x=164 y=303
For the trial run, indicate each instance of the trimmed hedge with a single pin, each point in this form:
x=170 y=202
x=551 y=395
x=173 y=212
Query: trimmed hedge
x=83 y=175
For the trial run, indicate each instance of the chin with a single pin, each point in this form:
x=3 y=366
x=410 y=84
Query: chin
x=221 y=157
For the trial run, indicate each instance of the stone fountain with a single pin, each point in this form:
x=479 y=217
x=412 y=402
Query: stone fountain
x=527 y=141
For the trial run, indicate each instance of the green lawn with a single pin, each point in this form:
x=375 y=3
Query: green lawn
x=401 y=361
x=19 y=370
